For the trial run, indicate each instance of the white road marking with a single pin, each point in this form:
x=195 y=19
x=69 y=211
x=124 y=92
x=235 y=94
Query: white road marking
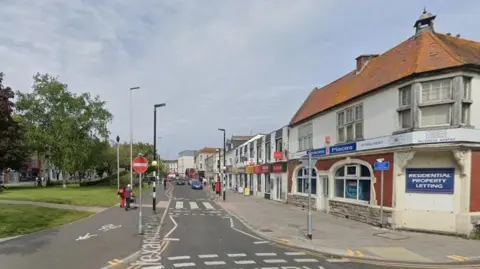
x=208 y=205
x=193 y=205
x=179 y=205
x=337 y=260
x=305 y=260
x=202 y=214
x=231 y=222
x=245 y=262
x=175 y=258
x=266 y=254
x=237 y=255
x=269 y=267
x=215 y=263
x=275 y=261
x=260 y=242
x=208 y=256
x=174 y=227
x=170 y=239
x=186 y=264
x=294 y=253
x=252 y=236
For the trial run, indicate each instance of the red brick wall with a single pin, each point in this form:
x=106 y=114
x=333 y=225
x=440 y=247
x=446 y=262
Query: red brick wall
x=324 y=165
x=475 y=182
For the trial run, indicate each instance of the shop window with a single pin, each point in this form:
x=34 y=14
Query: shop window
x=303 y=181
x=353 y=182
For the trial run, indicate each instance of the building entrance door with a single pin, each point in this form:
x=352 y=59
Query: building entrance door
x=322 y=202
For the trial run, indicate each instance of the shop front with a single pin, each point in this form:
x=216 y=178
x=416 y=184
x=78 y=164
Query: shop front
x=249 y=183
x=236 y=178
x=257 y=170
x=279 y=177
x=241 y=179
x=229 y=172
x=267 y=181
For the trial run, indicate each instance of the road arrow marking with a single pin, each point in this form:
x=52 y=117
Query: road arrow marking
x=85 y=237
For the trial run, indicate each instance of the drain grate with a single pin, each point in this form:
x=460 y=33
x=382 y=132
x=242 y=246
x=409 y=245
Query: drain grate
x=391 y=236
x=266 y=230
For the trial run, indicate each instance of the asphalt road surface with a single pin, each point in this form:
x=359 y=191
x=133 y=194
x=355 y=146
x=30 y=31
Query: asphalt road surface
x=112 y=235
x=197 y=233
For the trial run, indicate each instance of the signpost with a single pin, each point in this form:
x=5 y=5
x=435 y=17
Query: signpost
x=307 y=163
x=140 y=165
x=381 y=165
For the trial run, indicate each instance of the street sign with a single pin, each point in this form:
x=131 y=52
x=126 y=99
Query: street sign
x=140 y=164
x=381 y=166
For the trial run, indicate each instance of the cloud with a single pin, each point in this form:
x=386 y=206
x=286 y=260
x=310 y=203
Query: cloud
x=240 y=65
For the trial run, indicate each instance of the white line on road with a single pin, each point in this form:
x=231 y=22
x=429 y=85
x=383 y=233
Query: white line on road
x=170 y=239
x=305 y=260
x=275 y=261
x=179 y=205
x=231 y=222
x=154 y=267
x=294 y=253
x=252 y=236
x=215 y=263
x=260 y=242
x=208 y=205
x=174 y=227
x=266 y=254
x=237 y=255
x=186 y=264
x=204 y=256
x=337 y=260
x=193 y=205
x=178 y=258
x=245 y=262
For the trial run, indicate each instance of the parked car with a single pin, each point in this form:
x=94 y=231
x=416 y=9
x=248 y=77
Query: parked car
x=180 y=181
x=197 y=185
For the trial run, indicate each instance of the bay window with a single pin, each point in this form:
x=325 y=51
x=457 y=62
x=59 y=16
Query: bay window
x=436 y=103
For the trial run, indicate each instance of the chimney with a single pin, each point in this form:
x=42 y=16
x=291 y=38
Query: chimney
x=362 y=60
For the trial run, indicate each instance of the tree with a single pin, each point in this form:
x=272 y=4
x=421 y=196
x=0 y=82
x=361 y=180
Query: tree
x=13 y=152
x=146 y=149
x=62 y=124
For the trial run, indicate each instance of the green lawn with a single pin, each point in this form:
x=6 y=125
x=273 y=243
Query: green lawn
x=23 y=219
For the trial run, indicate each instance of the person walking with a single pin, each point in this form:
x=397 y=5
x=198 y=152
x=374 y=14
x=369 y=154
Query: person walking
x=128 y=195
x=121 y=193
x=165 y=183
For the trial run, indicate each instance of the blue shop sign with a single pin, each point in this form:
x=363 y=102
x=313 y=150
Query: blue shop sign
x=344 y=148
x=430 y=180
x=318 y=152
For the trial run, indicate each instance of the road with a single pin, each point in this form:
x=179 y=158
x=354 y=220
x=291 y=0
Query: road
x=88 y=244
x=197 y=233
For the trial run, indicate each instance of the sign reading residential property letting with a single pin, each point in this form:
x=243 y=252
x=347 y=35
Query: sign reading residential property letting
x=430 y=180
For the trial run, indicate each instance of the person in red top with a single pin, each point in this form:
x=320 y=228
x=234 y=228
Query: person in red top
x=121 y=193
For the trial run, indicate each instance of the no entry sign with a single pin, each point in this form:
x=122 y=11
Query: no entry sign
x=140 y=164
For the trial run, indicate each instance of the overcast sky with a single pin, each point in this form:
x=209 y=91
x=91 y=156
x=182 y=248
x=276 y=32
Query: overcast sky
x=244 y=65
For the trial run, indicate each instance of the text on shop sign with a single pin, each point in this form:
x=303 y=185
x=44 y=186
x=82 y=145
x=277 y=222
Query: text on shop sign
x=430 y=180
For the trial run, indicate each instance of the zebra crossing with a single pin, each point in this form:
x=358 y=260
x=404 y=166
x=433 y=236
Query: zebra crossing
x=187 y=207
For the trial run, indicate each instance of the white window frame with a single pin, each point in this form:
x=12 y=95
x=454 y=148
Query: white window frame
x=446 y=101
x=356 y=177
x=350 y=117
x=466 y=101
x=304 y=178
x=405 y=106
x=305 y=136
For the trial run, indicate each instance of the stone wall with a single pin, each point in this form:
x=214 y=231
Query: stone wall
x=360 y=212
x=301 y=201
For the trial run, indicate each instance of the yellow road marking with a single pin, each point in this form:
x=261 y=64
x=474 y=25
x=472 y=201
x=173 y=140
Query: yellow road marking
x=359 y=254
x=389 y=264
x=115 y=262
x=458 y=258
x=350 y=252
x=356 y=253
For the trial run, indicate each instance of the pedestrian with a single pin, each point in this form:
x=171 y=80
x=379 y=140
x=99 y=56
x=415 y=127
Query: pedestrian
x=128 y=195
x=121 y=193
x=164 y=183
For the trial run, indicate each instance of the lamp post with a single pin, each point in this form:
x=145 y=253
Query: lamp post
x=118 y=162
x=224 y=164
x=131 y=134
x=155 y=128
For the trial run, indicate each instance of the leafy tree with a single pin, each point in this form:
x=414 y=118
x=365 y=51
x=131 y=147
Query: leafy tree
x=13 y=152
x=63 y=124
x=145 y=149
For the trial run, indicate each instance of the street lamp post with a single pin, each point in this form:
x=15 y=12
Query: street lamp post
x=131 y=134
x=118 y=162
x=158 y=167
x=155 y=129
x=224 y=164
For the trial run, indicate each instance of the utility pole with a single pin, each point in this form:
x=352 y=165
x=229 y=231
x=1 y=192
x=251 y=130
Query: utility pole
x=131 y=134
x=118 y=162
x=224 y=167
x=155 y=128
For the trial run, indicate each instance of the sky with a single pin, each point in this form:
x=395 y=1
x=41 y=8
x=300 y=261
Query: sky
x=242 y=65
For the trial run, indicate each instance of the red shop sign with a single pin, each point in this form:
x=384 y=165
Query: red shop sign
x=257 y=169
x=265 y=168
x=277 y=168
x=278 y=155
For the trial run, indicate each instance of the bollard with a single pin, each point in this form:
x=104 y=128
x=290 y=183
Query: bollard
x=154 y=193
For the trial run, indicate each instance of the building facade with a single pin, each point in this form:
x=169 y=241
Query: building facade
x=186 y=160
x=200 y=158
x=171 y=166
x=412 y=107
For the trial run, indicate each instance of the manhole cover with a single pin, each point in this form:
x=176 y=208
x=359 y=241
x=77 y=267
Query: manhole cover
x=266 y=230
x=391 y=236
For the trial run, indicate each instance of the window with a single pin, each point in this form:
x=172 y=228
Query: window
x=278 y=144
x=267 y=152
x=305 y=137
x=405 y=110
x=466 y=101
x=350 y=124
x=303 y=182
x=201 y=166
x=435 y=109
x=353 y=182
x=258 y=152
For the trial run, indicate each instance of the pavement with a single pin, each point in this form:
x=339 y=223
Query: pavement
x=101 y=240
x=197 y=233
x=355 y=241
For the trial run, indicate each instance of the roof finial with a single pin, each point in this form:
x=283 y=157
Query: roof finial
x=424 y=22
x=424 y=10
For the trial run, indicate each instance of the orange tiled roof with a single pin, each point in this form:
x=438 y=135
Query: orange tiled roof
x=428 y=51
x=208 y=150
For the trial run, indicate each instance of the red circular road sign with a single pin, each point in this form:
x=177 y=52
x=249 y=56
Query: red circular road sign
x=140 y=164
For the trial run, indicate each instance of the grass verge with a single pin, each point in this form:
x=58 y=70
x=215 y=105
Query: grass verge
x=22 y=219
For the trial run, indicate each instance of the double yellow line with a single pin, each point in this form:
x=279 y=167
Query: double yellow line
x=163 y=247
